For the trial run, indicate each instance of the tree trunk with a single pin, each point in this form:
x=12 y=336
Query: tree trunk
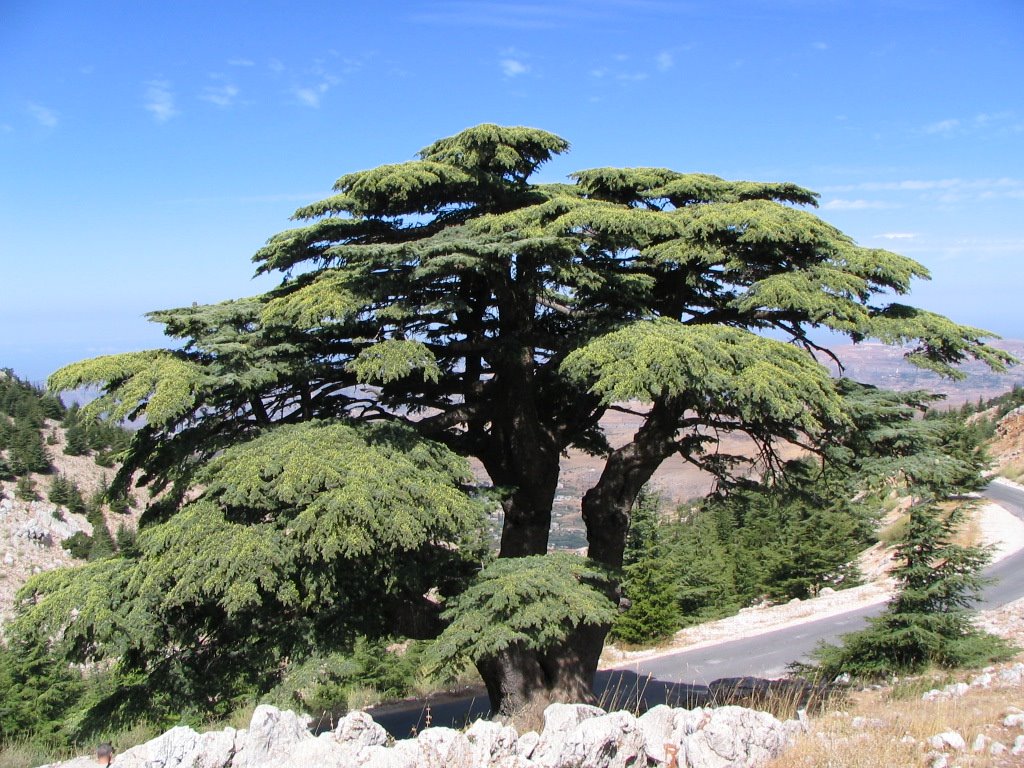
x=521 y=683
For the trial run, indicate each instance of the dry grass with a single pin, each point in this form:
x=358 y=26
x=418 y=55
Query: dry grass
x=891 y=727
x=1013 y=470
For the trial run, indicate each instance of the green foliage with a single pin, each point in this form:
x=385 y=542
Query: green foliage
x=305 y=538
x=25 y=489
x=327 y=683
x=78 y=544
x=26 y=402
x=35 y=691
x=526 y=602
x=27 y=453
x=156 y=385
x=451 y=307
x=653 y=612
x=928 y=622
x=725 y=371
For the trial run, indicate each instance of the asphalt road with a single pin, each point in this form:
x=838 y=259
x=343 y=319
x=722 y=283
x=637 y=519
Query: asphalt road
x=680 y=678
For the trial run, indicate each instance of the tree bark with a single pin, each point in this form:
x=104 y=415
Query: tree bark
x=522 y=683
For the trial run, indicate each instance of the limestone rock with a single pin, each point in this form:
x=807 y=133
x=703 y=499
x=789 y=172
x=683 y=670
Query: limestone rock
x=492 y=742
x=948 y=740
x=181 y=747
x=734 y=736
x=271 y=736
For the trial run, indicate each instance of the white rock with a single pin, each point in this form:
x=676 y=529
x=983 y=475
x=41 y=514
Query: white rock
x=983 y=680
x=1013 y=721
x=359 y=729
x=948 y=740
x=980 y=743
x=614 y=740
x=734 y=736
x=997 y=748
x=181 y=747
x=491 y=742
x=444 y=748
x=1012 y=676
x=957 y=689
x=271 y=736
x=1018 y=746
x=937 y=760
x=657 y=725
x=559 y=721
x=527 y=744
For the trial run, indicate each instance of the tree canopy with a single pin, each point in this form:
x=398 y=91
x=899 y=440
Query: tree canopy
x=450 y=306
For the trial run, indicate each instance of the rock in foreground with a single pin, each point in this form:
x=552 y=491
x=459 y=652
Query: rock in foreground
x=573 y=735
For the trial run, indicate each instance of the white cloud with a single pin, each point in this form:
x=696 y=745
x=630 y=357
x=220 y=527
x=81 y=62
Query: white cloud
x=854 y=205
x=513 y=67
x=819 y=46
x=665 y=61
x=308 y=96
x=160 y=100
x=897 y=236
x=275 y=65
x=45 y=116
x=1004 y=186
x=241 y=63
x=944 y=127
x=6 y=128
x=221 y=95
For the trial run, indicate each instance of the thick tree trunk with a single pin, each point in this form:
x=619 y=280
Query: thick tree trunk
x=522 y=683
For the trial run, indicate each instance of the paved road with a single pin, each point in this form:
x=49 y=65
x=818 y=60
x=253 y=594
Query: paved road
x=681 y=677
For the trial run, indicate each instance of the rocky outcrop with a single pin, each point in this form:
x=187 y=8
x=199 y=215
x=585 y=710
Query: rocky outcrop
x=574 y=735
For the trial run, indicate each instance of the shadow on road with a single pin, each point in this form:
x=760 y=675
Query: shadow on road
x=616 y=690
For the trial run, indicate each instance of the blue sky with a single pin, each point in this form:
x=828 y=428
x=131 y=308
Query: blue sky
x=148 y=149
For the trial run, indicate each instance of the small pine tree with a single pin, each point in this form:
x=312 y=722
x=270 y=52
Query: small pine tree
x=126 y=541
x=25 y=489
x=648 y=584
x=27 y=452
x=75 y=502
x=36 y=691
x=928 y=622
x=59 y=491
x=77 y=440
x=102 y=542
x=78 y=545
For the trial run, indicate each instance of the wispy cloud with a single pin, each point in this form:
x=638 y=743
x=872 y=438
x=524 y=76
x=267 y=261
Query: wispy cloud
x=859 y=204
x=1001 y=122
x=160 y=100
x=897 y=236
x=223 y=95
x=45 y=116
x=944 y=127
x=539 y=15
x=241 y=63
x=819 y=46
x=664 y=61
x=1004 y=185
x=931 y=191
x=310 y=96
x=513 y=67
